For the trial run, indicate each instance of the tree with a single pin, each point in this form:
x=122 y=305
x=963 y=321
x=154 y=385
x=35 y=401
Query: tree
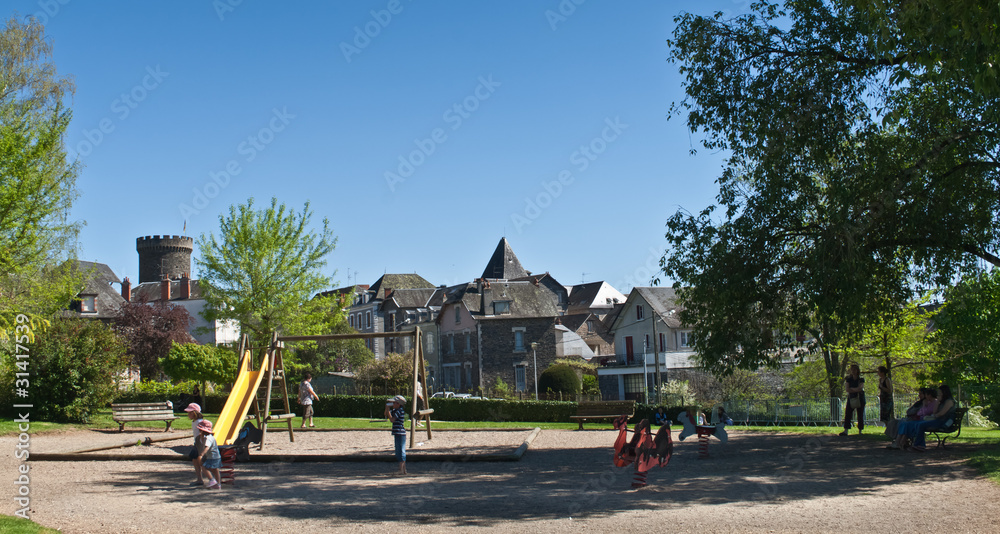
x=559 y=378
x=37 y=181
x=263 y=267
x=204 y=363
x=855 y=171
x=318 y=316
x=74 y=367
x=149 y=331
x=390 y=375
x=967 y=338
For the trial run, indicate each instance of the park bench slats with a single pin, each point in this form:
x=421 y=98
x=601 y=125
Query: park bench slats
x=142 y=411
x=602 y=410
x=942 y=434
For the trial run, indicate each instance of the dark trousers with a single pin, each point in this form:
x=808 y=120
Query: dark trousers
x=849 y=411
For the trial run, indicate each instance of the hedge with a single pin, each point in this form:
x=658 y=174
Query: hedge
x=450 y=409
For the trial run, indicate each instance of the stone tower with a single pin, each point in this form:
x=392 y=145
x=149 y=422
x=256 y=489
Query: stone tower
x=163 y=257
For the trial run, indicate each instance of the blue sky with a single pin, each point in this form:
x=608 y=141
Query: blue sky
x=424 y=131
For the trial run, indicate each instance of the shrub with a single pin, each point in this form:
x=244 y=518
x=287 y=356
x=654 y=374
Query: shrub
x=73 y=369
x=559 y=378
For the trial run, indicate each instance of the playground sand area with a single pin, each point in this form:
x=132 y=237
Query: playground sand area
x=565 y=482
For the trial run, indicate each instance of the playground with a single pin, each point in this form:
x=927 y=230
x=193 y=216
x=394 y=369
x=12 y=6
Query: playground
x=564 y=482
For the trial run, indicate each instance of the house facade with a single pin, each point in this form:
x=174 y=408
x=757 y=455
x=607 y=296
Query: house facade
x=366 y=313
x=648 y=337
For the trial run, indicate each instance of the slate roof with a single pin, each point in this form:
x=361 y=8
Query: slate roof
x=412 y=298
x=98 y=283
x=398 y=281
x=663 y=300
x=504 y=265
x=527 y=299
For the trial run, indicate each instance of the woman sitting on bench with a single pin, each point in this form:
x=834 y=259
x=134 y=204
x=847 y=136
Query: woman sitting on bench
x=915 y=430
x=926 y=405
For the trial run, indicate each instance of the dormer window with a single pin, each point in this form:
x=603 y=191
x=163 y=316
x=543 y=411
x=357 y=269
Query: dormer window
x=638 y=312
x=501 y=307
x=88 y=304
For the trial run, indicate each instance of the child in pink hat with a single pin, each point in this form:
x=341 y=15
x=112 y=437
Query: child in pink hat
x=209 y=456
x=194 y=414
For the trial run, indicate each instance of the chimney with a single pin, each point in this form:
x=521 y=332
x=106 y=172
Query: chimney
x=165 y=290
x=127 y=290
x=185 y=289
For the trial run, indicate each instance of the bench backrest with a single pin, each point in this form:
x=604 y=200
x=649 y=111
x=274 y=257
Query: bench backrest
x=142 y=408
x=606 y=407
x=957 y=420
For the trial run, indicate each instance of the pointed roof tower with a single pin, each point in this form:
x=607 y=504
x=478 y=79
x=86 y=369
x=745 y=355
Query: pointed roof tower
x=504 y=264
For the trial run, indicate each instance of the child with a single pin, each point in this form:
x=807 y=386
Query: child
x=194 y=414
x=397 y=415
x=306 y=396
x=209 y=456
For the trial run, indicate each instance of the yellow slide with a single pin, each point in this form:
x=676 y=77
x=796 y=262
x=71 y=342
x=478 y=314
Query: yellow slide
x=238 y=404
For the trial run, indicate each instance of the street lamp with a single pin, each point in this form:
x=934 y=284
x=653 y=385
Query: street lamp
x=534 y=356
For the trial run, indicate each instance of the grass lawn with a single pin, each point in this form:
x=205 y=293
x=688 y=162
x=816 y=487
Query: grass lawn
x=16 y=525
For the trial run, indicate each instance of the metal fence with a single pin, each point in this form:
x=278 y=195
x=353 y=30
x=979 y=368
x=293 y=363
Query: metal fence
x=806 y=412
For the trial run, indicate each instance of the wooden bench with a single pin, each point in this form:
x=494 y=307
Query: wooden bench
x=602 y=410
x=142 y=411
x=942 y=434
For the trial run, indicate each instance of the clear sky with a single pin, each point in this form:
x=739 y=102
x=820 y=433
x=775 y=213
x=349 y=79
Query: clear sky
x=424 y=131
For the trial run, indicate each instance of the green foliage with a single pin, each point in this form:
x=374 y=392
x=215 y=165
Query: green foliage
x=153 y=391
x=855 y=172
x=559 y=378
x=202 y=363
x=73 y=370
x=453 y=409
x=264 y=268
x=590 y=385
x=392 y=373
x=577 y=363
x=37 y=182
x=676 y=392
x=967 y=338
x=325 y=315
x=502 y=389
x=17 y=525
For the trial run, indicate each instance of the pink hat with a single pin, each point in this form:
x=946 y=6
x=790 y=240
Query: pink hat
x=193 y=407
x=205 y=426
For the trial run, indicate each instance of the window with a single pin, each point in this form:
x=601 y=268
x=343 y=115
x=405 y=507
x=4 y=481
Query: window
x=468 y=343
x=663 y=342
x=392 y=322
x=519 y=341
x=88 y=304
x=590 y=325
x=646 y=347
x=634 y=387
x=368 y=319
x=520 y=377
x=638 y=312
x=451 y=344
x=468 y=374
x=458 y=315
x=501 y=307
x=686 y=339
x=350 y=319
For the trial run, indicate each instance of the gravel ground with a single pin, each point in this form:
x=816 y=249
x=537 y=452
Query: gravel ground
x=757 y=482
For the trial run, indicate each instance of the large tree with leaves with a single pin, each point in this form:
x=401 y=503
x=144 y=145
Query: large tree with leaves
x=37 y=180
x=149 y=331
x=264 y=266
x=860 y=163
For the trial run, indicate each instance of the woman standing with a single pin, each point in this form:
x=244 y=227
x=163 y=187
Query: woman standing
x=884 y=395
x=855 y=386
